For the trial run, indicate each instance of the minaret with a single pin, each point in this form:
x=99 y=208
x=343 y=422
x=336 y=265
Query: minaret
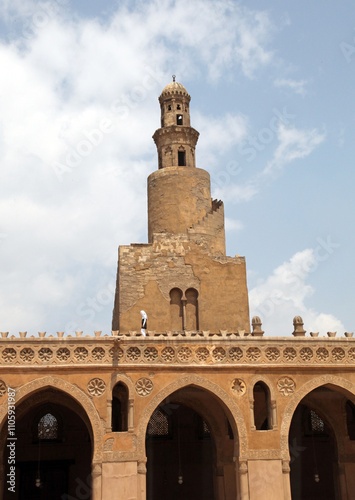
x=176 y=139
x=179 y=194
x=182 y=278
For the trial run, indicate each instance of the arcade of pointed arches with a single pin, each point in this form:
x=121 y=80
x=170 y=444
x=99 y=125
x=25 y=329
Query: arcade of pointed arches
x=228 y=405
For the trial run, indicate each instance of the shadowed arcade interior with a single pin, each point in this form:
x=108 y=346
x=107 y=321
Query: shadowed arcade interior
x=187 y=436
x=53 y=449
x=322 y=445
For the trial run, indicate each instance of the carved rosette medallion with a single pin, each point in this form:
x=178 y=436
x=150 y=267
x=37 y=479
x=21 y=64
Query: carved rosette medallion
x=133 y=354
x=351 y=353
x=116 y=353
x=96 y=387
x=184 y=354
x=2 y=388
x=144 y=386
x=306 y=354
x=289 y=354
x=286 y=386
x=235 y=353
x=80 y=353
x=98 y=353
x=63 y=354
x=253 y=353
x=239 y=387
x=272 y=353
x=8 y=354
x=27 y=354
x=150 y=354
x=218 y=354
x=338 y=354
x=45 y=354
x=167 y=354
x=322 y=354
x=202 y=354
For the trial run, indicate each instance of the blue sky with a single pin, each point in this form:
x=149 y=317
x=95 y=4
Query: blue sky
x=272 y=97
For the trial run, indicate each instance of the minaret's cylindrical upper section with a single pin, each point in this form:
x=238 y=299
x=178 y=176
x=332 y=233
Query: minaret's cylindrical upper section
x=176 y=139
x=174 y=105
x=179 y=194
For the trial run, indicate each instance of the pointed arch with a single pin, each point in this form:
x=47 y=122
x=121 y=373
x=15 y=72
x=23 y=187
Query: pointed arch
x=71 y=390
x=270 y=403
x=337 y=382
x=119 y=377
x=234 y=413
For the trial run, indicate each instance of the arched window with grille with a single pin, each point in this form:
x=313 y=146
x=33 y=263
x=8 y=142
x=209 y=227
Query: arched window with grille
x=47 y=427
x=159 y=425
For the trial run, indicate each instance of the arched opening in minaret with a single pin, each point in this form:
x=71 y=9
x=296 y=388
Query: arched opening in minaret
x=262 y=414
x=53 y=450
x=182 y=158
x=176 y=309
x=319 y=429
x=187 y=436
x=179 y=120
x=192 y=322
x=120 y=408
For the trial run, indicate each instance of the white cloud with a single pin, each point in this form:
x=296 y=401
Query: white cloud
x=218 y=135
x=298 y=86
x=233 y=225
x=283 y=295
x=234 y=193
x=293 y=144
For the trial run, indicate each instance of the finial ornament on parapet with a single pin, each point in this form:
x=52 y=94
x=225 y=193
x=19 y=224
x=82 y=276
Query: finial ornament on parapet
x=256 y=325
x=298 y=330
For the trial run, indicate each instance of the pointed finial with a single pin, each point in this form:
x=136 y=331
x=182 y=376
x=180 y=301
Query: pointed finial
x=174 y=78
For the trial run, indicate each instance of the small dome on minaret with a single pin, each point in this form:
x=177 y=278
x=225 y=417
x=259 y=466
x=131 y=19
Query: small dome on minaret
x=174 y=105
x=174 y=88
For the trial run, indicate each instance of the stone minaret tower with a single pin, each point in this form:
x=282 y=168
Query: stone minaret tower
x=182 y=277
x=179 y=194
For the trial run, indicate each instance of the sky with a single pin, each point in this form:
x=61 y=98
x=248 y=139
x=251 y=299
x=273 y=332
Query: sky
x=272 y=95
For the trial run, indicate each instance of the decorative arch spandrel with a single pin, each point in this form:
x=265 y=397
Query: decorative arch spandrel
x=202 y=383
x=51 y=382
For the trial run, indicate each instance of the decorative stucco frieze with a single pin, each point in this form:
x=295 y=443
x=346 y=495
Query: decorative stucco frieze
x=176 y=348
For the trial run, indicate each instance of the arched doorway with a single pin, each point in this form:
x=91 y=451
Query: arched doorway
x=320 y=447
x=190 y=447
x=53 y=448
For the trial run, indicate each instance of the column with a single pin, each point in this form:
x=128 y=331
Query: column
x=109 y=416
x=183 y=313
x=130 y=416
x=273 y=415
x=142 y=479
x=243 y=480
x=286 y=479
x=96 y=478
x=252 y=421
